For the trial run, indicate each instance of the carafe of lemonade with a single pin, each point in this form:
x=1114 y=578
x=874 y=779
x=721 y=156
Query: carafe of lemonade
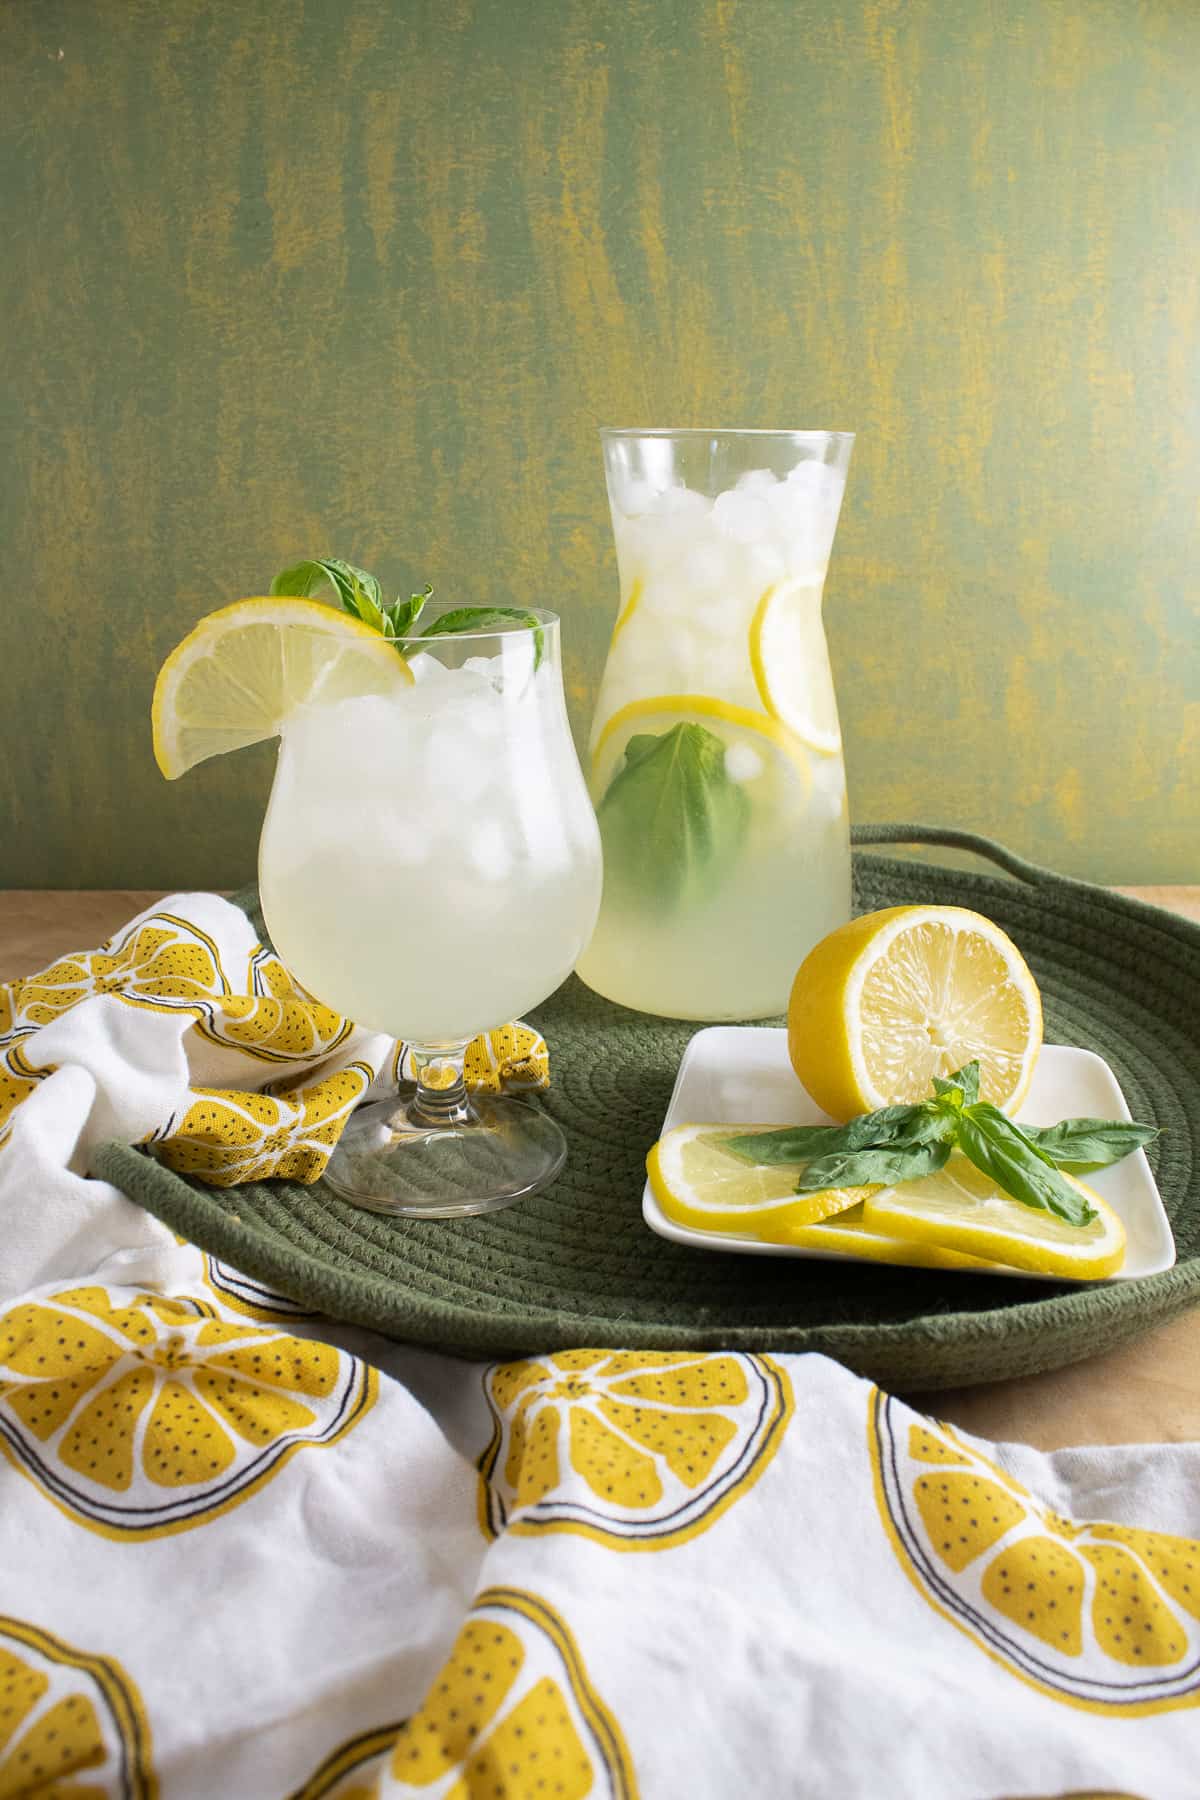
x=716 y=756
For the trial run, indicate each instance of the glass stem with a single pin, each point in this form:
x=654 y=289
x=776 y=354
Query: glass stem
x=441 y=1096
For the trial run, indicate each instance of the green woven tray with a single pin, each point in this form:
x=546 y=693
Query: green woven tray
x=576 y=1265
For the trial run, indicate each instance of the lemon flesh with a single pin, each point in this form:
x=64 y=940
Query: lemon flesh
x=698 y=1181
x=245 y=669
x=790 y=661
x=960 y=1208
x=848 y=1234
x=892 y=999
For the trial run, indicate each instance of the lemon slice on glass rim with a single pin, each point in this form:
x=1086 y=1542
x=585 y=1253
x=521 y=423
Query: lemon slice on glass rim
x=245 y=669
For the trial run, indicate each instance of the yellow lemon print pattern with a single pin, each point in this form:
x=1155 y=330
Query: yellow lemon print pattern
x=71 y=1725
x=163 y=963
x=228 y=1136
x=513 y=1713
x=18 y=1078
x=140 y=1416
x=1105 y=1617
x=276 y=1021
x=166 y=964
x=510 y=1060
x=635 y=1450
x=243 y=1294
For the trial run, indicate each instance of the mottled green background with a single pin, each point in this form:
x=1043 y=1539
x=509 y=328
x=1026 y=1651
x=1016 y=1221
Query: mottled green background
x=288 y=276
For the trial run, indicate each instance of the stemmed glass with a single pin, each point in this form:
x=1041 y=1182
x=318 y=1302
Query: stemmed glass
x=430 y=867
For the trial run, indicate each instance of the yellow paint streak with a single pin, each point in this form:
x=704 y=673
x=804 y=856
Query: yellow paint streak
x=734 y=72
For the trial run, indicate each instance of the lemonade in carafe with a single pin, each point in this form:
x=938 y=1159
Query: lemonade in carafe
x=716 y=756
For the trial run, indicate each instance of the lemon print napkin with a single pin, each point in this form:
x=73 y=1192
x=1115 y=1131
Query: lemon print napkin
x=247 y=1551
x=186 y=1033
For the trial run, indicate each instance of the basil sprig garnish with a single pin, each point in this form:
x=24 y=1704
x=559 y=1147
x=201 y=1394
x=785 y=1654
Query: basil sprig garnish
x=360 y=594
x=672 y=820
x=901 y=1143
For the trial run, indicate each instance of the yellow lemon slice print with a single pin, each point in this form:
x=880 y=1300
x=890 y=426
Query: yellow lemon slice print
x=1097 y=1616
x=635 y=1450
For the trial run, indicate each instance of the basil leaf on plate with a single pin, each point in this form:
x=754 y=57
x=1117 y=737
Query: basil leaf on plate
x=1002 y=1151
x=799 y=1143
x=1078 y=1145
x=880 y=1164
x=961 y=1088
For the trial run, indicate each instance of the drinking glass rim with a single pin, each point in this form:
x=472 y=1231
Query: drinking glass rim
x=710 y=431
x=511 y=628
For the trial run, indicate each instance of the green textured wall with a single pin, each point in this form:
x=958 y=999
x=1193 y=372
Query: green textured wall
x=288 y=276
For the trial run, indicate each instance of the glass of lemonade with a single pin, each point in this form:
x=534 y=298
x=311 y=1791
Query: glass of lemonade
x=430 y=867
x=716 y=756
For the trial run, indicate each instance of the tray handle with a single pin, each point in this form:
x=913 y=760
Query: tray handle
x=949 y=838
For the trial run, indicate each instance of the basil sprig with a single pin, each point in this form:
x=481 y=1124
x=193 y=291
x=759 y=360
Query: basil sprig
x=901 y=1143
x=672 y=820
x=361 y=594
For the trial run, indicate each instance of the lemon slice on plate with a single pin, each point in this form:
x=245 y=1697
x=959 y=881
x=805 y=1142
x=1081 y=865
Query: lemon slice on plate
x=246 y=668
x=790 y=661
x=756 y=746
x=850 y=1235
x=960 y=1208
x=697 y=1181
x=892 y=999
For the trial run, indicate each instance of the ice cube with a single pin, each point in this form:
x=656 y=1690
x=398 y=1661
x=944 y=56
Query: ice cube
x=706 y=565
x=424 y=667
x=518 y=652
x=822 y=488
x=743 y=515
x=754 y=481
x=743 y=763
x=488 y=850
x=681 y=502
x=452 y=765
x=636 y=497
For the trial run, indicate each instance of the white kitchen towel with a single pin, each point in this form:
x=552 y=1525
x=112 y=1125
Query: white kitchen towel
x=247 y=1552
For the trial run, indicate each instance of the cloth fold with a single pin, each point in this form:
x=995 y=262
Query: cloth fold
x=248 y=1551
x=185 y=1032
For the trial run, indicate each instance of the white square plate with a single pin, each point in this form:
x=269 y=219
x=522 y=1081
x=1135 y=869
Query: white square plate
x=738 y=1074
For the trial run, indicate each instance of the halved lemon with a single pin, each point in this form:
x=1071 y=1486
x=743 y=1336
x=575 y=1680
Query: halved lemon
x=246 y=668
x=960 y=1208
x=850 y=1235
x=763 y=747
x=790 y=660
x=892 y=999
x=698 y=1181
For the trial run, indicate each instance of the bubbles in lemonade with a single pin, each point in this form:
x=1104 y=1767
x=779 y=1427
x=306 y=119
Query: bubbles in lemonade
x=717 y=766
x=398 y=832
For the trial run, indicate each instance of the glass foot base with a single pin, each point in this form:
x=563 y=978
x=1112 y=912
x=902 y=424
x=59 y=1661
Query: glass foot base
x=388 y=1161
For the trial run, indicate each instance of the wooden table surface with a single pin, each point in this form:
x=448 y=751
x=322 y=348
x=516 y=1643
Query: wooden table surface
x=1148 y=1391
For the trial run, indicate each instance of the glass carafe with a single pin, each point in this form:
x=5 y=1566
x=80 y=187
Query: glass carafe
x=716 y=756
